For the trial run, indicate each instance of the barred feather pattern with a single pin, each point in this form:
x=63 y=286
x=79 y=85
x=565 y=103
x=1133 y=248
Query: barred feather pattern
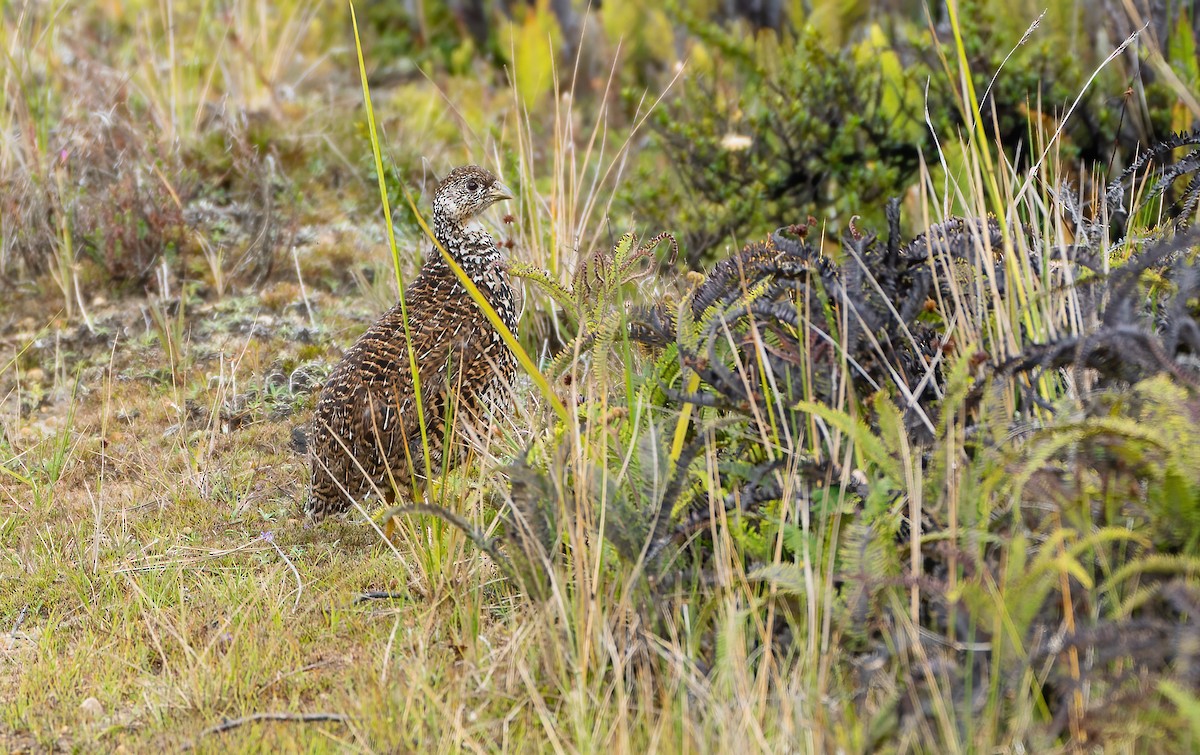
x=365 y=433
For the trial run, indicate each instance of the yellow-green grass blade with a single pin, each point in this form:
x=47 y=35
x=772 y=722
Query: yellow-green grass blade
x=683 y=422
x=387 y=215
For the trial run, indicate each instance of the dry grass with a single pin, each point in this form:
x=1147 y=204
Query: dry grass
x=157 y=577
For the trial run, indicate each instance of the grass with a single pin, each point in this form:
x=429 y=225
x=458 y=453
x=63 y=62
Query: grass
x=157 y=578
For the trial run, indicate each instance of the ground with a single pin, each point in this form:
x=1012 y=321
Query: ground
x=159 y=569
x=896 y=477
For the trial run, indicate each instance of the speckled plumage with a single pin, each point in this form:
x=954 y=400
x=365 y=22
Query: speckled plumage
x=365 y=431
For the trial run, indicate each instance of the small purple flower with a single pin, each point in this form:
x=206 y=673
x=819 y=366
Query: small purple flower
x=269 y=537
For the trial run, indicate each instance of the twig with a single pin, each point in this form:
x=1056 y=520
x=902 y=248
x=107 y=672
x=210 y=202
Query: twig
x=229 y=724
x=12 y=636
x=312 y=321
x=20 y=619
x=376 y=595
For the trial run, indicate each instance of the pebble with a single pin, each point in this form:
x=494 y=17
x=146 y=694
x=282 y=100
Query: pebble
x=92 y=707
x=35 y=375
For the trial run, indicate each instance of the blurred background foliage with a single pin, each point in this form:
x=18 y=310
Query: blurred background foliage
x=769 y=112
x=775 y=111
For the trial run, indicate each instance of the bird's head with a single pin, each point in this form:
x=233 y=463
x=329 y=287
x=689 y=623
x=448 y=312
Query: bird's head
x=466 y=192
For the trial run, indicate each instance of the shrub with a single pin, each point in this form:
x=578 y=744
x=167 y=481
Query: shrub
x=778 y=127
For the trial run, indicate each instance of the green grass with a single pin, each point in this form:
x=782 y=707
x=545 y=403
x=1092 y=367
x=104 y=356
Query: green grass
x=158 y=578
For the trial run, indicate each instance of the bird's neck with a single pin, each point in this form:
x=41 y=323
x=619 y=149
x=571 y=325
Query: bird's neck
x=471 y=246
x=474 y=249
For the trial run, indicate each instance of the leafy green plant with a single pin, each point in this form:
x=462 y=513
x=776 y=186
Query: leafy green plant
x=598 y=295
x=778 y=127
x=773 y=126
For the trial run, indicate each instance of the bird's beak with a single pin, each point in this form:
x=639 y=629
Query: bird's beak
x=500 y=191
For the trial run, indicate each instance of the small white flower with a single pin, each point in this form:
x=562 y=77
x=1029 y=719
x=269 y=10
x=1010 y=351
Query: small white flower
x=736 y=142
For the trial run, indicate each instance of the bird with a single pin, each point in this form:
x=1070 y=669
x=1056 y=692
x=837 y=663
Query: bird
x=365 y=435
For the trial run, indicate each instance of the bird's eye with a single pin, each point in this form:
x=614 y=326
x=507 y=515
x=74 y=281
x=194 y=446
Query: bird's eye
x=473 y=186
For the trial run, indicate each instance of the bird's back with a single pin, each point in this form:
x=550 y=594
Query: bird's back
x=365 y=432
